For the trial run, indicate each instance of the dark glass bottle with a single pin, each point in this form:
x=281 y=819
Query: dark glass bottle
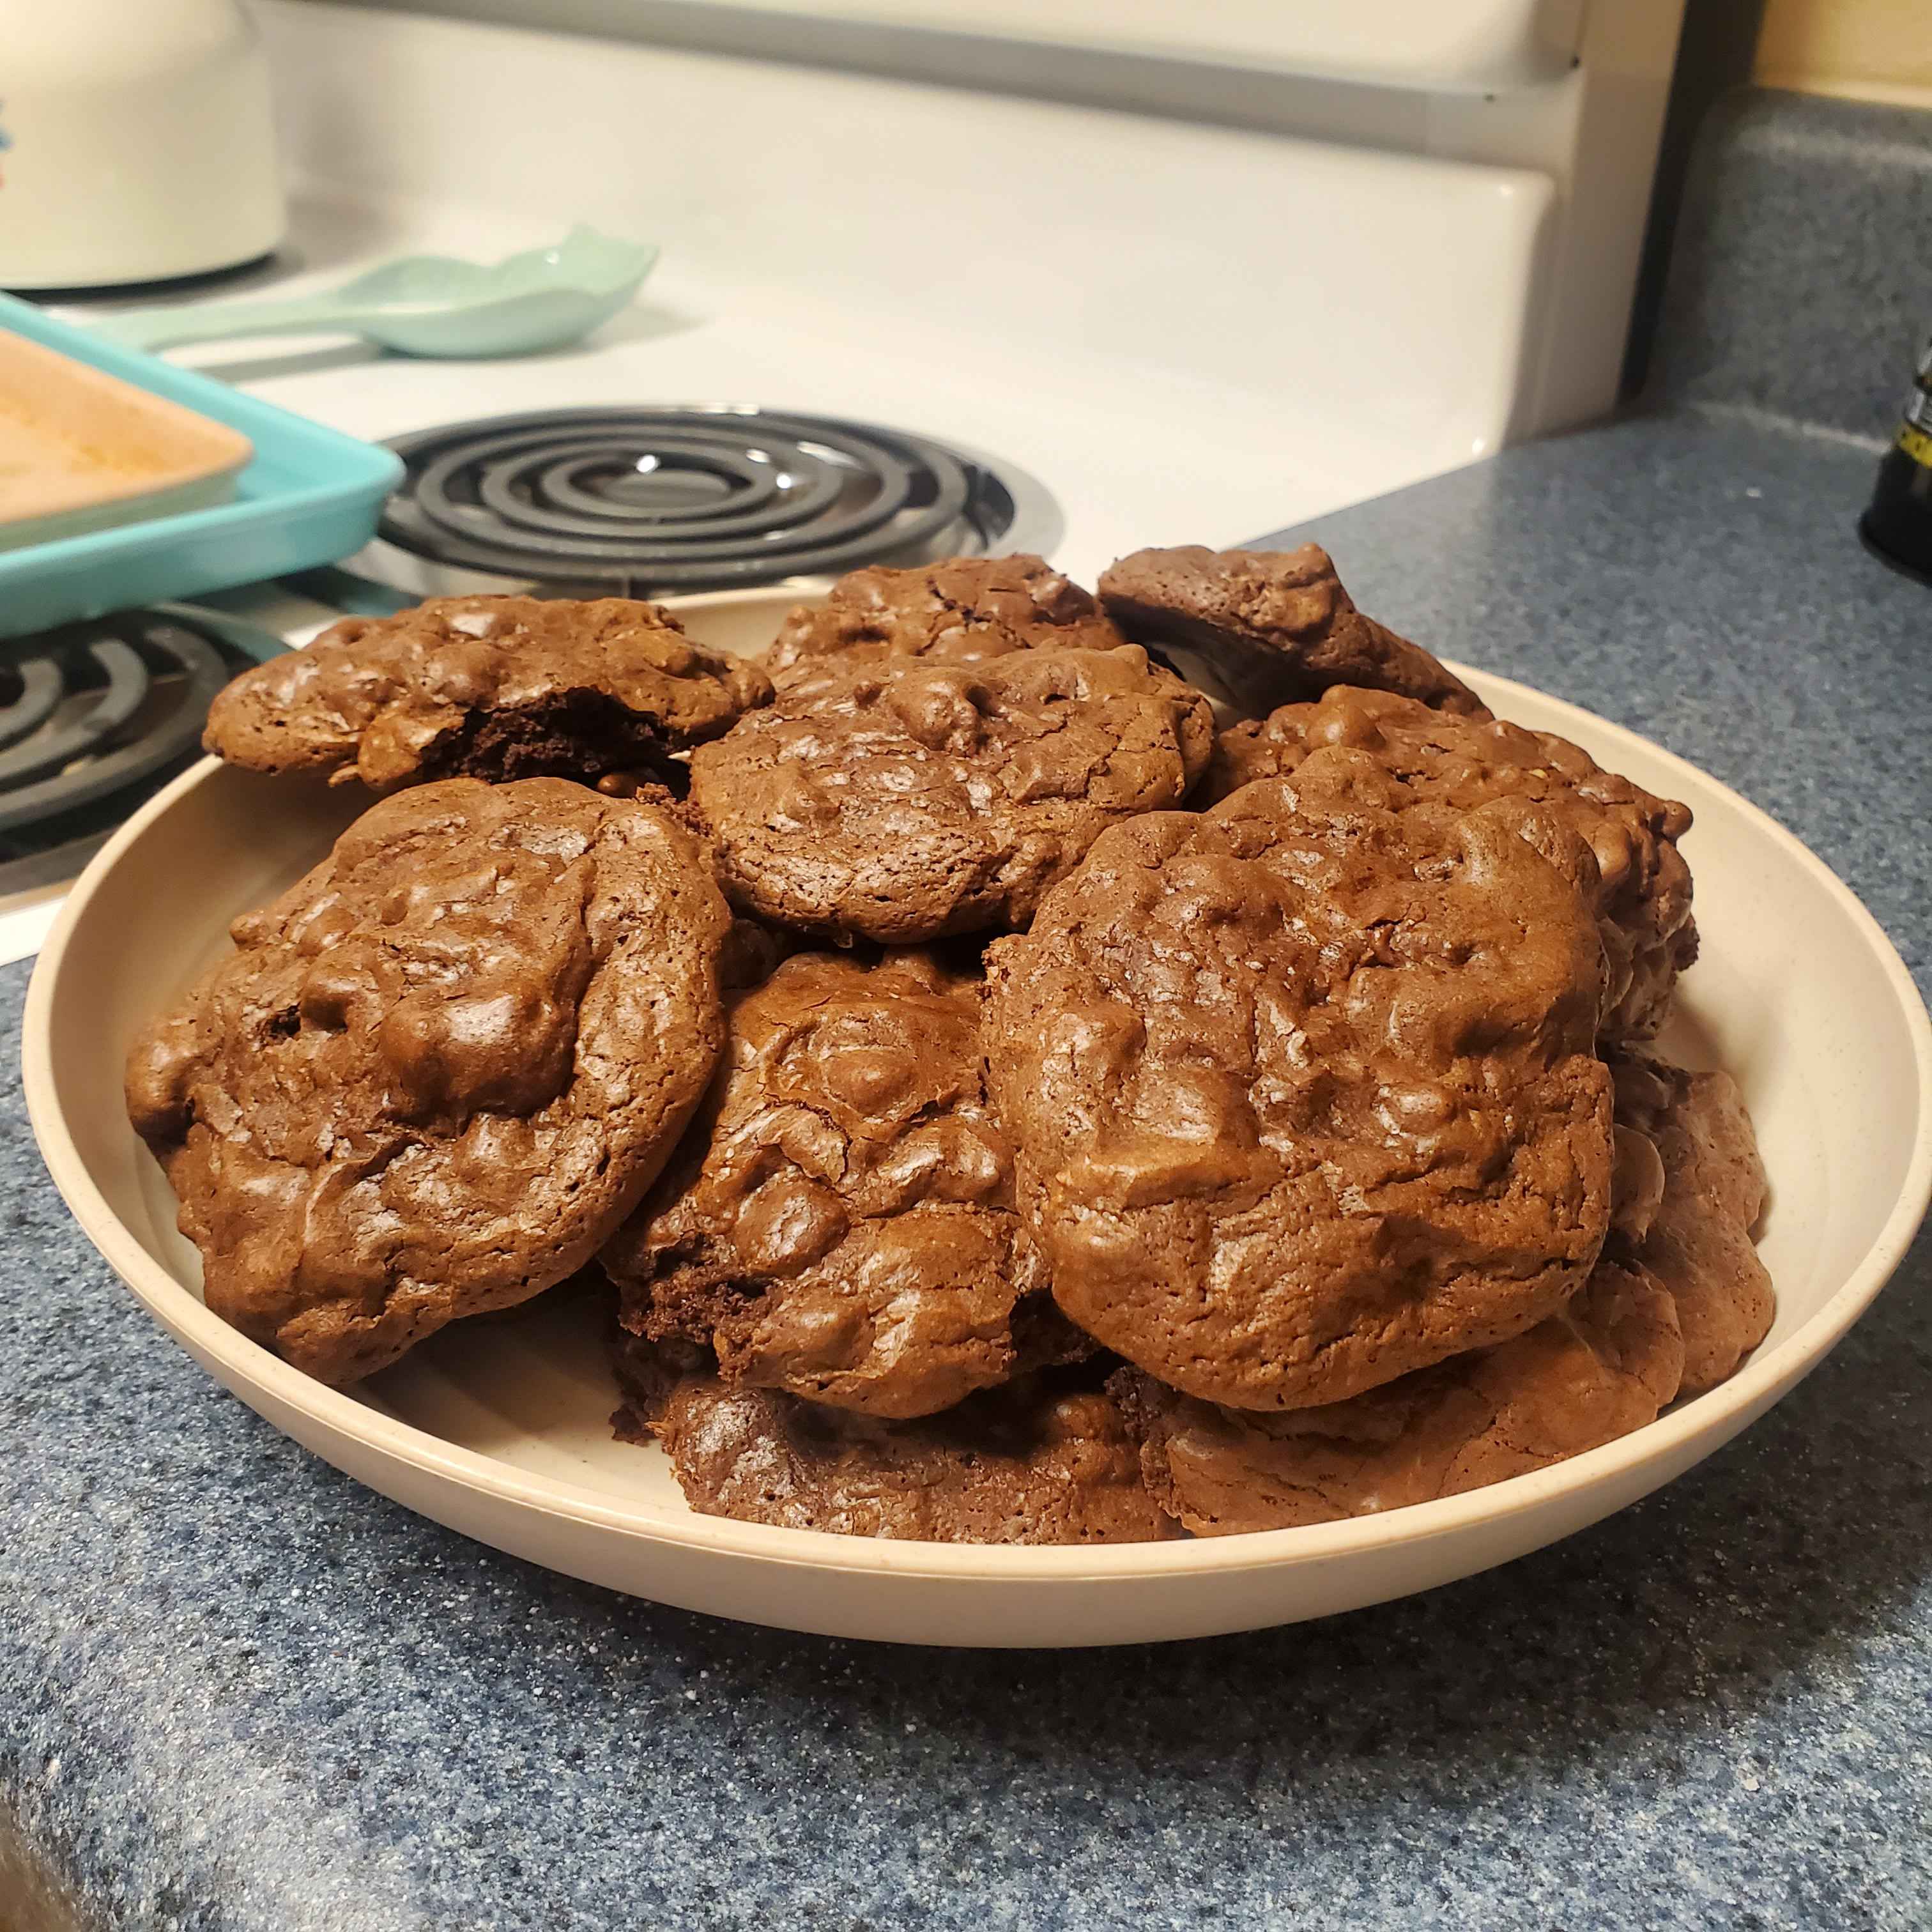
x=1898 y=525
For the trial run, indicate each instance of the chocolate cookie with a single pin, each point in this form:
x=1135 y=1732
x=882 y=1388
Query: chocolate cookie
x=1045 y=1460
x=1698 y=1241
x=1303 y=1098
x=1276 y=626
x=961 y=609
x=496 y=687
x=900 y=801
x=438 y=1072
x=1392 y=752
x=1606 y=1364
x=753 y=953
x=1637 y=1183
x=838 y=1222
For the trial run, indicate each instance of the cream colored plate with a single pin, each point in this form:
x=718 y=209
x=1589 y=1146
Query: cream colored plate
x=500 y=1430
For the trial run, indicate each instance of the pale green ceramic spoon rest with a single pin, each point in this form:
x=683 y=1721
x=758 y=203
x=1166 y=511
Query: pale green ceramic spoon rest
x=430 y=305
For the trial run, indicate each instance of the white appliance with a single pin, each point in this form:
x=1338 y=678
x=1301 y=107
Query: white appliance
x=1113 y=275
x=139 y=142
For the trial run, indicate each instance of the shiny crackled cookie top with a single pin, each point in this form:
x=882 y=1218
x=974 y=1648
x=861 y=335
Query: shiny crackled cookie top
x=1302 y=1099
x=961 y=609
x=1393 y=752
x=497 y=688
x=908 y=800
x=437 y=1071
x=839 y=1222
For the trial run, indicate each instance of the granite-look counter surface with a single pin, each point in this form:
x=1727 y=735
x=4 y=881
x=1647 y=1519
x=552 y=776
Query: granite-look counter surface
x=238 y=1694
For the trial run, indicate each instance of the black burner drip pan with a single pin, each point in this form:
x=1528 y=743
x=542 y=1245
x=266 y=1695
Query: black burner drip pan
x=643 y=501
x=95 y=718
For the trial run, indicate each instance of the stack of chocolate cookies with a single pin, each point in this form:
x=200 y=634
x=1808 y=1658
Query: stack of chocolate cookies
x=1009 y=1101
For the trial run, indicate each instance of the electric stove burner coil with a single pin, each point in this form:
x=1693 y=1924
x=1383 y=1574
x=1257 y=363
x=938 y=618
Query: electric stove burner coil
x=95 y=718
x=87 y=710
x=636 y=501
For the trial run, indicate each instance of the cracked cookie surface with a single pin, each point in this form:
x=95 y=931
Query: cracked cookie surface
x=1045 y=1459
x=438 y=1071
x=838 y=1222
x=1302 y=1098
x=1697 y=1239
x=1276 y=626
x=497 y=688
x=1393 y=752
x=904 y=800
x=961 y=609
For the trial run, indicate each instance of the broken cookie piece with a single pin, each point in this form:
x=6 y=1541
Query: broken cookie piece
x=1275 y=627
x=495 y=687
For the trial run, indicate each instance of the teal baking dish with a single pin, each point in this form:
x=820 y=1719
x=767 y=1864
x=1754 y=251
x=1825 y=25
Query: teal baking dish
x=311 y=496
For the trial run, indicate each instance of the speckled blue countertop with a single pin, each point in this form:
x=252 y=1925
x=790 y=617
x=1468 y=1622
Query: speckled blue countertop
x=237 y=1691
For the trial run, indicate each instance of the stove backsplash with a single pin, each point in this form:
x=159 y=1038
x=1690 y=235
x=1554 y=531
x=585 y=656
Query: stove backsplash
x=1406 y=290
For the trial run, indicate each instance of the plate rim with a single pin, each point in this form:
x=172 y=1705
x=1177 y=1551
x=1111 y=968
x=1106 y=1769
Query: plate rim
x=207 y=1338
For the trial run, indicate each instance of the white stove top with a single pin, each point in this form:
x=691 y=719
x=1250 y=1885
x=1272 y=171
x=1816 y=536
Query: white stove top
x=1132 y=453
x=1186 y=333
